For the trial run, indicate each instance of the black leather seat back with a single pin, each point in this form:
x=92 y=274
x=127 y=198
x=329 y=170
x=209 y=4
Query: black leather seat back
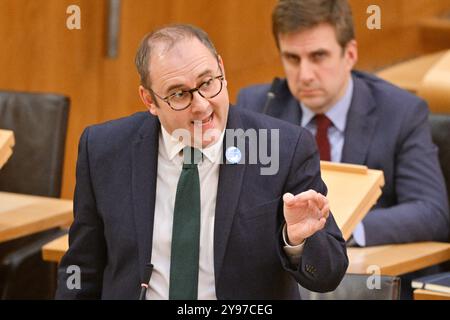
x=39 y=122
x=440 y=131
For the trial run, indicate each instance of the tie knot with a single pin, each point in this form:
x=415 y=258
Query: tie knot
x=191 y=157
x=322 y=121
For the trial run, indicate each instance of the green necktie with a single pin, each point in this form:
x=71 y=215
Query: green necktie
x=186 y=230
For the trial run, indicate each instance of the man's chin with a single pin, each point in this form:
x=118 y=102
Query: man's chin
x=315 y=104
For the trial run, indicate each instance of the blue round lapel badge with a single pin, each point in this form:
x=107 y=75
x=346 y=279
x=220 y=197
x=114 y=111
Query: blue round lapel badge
x=233 y=155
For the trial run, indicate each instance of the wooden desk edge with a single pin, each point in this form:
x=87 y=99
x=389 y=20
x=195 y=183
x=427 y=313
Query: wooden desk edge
x=418 y=263
x=402 y=267
x=362 y=210
x=52 y=255
x=62 y=219
x=421 y=294
x=8 y=139
x=343 y=167
x=55 y=250
x=6 y=144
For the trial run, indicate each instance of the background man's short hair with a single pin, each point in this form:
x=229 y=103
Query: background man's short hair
x=291 y=16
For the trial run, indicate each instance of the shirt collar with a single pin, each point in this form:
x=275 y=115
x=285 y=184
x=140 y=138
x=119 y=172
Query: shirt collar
x=171 y=147
x=337 y=114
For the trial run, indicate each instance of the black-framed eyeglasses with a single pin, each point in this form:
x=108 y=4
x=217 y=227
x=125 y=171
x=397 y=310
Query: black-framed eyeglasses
x=182 y=99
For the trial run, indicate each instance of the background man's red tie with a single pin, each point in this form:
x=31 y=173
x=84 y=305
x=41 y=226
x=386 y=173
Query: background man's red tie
x=322 y=124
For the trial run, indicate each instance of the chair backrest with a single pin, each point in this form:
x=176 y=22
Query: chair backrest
x=359 y=287
x=39 y=122
x=440 y=132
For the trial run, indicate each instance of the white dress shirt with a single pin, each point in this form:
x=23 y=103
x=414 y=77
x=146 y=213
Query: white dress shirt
x=338 y=117
x=170 y=162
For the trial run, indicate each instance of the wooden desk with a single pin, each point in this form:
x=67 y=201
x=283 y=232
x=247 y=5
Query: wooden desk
x=398 y=259
x=409 y=74
x=54 y=250
x=392 y=259
x=427 y=76
x=351 y=203
x=22 y=215
x=421 y=294
x=6 y=145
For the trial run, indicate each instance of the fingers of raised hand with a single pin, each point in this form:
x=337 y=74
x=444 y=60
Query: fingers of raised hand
x=300 y=199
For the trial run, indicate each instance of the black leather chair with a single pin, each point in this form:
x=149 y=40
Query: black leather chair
x=39 y=122
x=353 y=286
x=356 y=287
x=440 y=132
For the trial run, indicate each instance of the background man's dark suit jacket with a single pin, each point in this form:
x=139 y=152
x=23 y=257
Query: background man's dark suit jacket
x=111 y=237
x=387 y=129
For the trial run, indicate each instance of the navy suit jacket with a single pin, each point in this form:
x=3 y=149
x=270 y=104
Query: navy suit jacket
x=387 y=129
x=111 y=237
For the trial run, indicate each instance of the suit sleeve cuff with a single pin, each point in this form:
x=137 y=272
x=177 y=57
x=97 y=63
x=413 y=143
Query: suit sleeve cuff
x=359 y=235
x=293 y=252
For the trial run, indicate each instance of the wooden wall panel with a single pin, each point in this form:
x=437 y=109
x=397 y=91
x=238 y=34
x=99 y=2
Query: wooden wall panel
x=240 y=31
x=38 y=52
x=399 y=37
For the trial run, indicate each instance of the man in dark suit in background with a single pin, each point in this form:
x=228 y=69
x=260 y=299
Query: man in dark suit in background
x=356 y=118
x=241 y=234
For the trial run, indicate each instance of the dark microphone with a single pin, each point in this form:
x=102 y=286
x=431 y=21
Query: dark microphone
x=271 y=94
x=144 y=285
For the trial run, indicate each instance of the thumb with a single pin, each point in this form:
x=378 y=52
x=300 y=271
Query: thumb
x=288 y=199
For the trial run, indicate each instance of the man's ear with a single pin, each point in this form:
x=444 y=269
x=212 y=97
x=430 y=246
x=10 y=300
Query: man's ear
x=219 y=58
x=351 y=53
x=147 y=99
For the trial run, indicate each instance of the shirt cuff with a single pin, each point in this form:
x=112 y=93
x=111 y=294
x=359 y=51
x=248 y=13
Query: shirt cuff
x=293 y=252
x=359 y=235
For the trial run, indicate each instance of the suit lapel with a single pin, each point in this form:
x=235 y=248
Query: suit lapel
x=361 y=123
x=285 y=106
x=144 y=173
x=361 y=120
x=228 y=191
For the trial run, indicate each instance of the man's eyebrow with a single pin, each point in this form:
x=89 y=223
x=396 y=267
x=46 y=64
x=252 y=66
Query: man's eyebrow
x=204 y=73
x=289 y=54
x=179 y=85
x=320 y=50
x=311 y=53
x=175 y=86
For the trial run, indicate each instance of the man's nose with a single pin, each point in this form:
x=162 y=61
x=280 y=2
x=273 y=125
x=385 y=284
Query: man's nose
x=198 y=104
x=305 y=72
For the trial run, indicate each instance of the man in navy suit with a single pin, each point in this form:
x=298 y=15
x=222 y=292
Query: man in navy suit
x=259 y=235
x=356 y=118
